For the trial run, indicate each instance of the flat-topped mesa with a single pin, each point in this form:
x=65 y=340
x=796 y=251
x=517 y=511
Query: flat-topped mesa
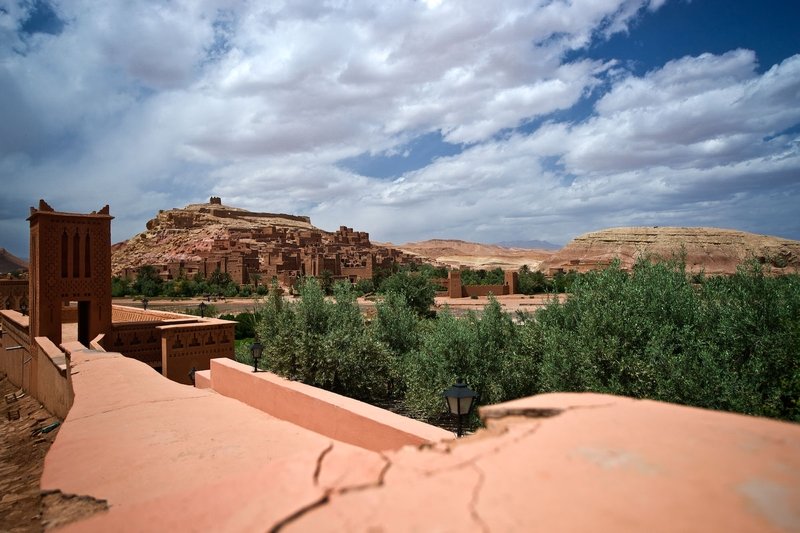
x=710 y=250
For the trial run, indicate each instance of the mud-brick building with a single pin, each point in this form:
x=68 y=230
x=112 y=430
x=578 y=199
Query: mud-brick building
x=69 y=308
x=13 y=293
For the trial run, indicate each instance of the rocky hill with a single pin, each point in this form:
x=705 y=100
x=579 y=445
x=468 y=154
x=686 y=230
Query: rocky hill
x=200 y=238
x=455 y=253
x=185 y=234
x=713 y=250
x=11 y=263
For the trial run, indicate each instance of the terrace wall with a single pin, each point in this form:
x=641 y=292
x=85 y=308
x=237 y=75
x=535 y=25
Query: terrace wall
x=321 y=411
x=54 y=391
x=44 y=374
x=13 y=360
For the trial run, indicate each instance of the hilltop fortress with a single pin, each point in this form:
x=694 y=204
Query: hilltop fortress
x=202 y=238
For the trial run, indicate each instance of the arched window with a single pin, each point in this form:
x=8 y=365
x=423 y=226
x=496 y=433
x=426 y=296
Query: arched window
x=76 y=255
x=64 y=252
x=87 y=267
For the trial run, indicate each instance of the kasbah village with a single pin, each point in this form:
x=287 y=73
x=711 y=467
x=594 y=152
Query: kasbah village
x=119 y=416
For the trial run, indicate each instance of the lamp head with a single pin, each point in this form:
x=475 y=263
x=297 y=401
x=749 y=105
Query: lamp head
x=460 y=398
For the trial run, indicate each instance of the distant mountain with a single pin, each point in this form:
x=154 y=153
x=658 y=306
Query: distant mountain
x=455 y=253
x=531 y=245
x=11 y=263
x=709 y=250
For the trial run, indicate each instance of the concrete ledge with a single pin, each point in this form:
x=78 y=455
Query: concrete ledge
x=50 y=351
x=324 y=412
x=53 y=389
x=72 y=347
x=97 y=343
x=202 y=379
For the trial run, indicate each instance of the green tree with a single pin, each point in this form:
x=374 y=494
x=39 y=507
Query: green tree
x=148 y=282
x=532 y=282
x=417 y=289
x=326 y=281
x=119 y=287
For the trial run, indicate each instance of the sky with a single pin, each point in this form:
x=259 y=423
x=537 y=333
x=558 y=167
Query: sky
x=409 y=119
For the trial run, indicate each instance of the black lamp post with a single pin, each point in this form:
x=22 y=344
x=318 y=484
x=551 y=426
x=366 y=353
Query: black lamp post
x=255 y=351
x=23 y=308
x=202 y=307
x=145 y=301
x=460 y=400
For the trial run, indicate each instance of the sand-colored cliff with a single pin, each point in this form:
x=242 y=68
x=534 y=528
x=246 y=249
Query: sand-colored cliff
x=712 y=250
x=456 y=254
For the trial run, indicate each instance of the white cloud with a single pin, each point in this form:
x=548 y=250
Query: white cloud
x=151 y=105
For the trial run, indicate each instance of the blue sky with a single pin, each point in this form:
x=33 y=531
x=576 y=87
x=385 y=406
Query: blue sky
x=482 y=121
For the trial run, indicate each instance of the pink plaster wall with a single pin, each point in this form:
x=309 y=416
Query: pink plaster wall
x=202 y=379
x=326 y=413
x=15 y=333
x=167 y=457
x=53 y=389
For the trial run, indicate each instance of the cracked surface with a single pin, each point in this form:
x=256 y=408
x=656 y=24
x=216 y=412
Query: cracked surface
x=580 y=462
x=601 y=463
x=59 y=509
x=160 y=451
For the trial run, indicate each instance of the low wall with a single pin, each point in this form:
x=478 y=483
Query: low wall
x=202 y=379
x=14 y=326
x=485 y=290
x=44 y=374
x=53 y=388
x=321 y=411
x=187 y=346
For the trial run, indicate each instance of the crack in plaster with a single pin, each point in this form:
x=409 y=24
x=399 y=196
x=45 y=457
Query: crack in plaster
x=313 y=505
x=473 y=502
x=120 y=408
x=325 y=498
x=321 y=457
x=300 y=513
x=471 y=463
x=474 y=459
x=387 y=464
x=528 y=412
x=537 y=412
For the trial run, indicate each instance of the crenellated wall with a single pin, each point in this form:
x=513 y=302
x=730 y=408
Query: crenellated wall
x=139 y=340
x=170 y=342
x=187 y=346
x=13 y=293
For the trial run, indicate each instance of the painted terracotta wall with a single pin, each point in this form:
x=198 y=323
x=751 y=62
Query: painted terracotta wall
x=15 y=333
x=53 y=389
x=329 y=414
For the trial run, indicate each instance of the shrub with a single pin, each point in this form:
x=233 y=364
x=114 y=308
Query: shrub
x=417 y=289
x=322 y=343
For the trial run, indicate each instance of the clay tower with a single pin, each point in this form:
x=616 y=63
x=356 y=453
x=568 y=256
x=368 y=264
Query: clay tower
x=70 y=261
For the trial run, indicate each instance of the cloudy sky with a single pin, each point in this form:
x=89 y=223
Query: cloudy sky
x=484 y=121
